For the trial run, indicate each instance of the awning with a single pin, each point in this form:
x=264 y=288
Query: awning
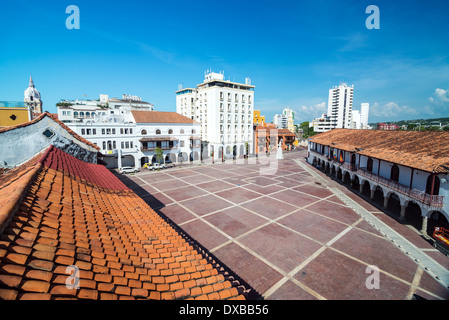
x=195 y=138
x=159 y=138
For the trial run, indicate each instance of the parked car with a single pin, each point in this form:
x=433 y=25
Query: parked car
x=156 y=166
x=128 y=170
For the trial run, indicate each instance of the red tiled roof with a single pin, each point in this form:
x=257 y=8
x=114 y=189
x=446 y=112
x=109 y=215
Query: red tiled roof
x=427 y=151
x=55 y=118
x=160 y=117
x=57 y=212
x=268 y=129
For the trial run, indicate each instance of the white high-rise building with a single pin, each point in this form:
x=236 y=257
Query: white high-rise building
x=280 y=121
x=339 y=109
x=225 y=111
x=364 y=111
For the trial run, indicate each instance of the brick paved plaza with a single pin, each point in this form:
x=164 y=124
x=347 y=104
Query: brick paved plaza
x=288 y=235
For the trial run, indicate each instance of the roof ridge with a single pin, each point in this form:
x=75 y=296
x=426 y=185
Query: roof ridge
x=54 y=118
x=16 y=195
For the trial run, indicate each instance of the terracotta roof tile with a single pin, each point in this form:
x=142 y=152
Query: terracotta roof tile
x=160 y=117
x=427 y=151
x=65 y=212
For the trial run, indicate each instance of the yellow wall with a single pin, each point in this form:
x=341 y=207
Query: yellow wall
x=257 y=118
x=21 y=116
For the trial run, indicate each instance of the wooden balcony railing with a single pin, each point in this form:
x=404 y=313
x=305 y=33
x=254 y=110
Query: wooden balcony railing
x=435 y=201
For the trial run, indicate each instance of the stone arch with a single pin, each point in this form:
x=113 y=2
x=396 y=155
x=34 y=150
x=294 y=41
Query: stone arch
x=378 y=195
x=413 y=214
x=347 y=178
x=355 y=182
x=339 y=174
x=393 y=203
x=365 y=188
x=436 y=219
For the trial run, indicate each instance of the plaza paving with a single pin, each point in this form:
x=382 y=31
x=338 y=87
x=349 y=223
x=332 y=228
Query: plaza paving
x=289 y=235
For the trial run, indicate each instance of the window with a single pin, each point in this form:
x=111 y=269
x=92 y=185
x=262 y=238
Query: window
x=103 y=131
x=83 y=132
x=170 y=131
x=104 y=145
x=48 y=133
x=182 y=131
x=394 y=174
x=88 y=131
x=158 y=131
x=182 y=143
x=94 y=131
x=433 y=185
x=369 y=165
x=193 y=131
x=114 y=145
x=143 y=132
x=127 y=145
x=121 y=130
x=108 y=130
x=113 y=131
x=122 y=144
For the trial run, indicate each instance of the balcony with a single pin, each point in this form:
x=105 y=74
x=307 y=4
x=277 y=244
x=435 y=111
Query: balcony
x=434 y=201
x=421 y=196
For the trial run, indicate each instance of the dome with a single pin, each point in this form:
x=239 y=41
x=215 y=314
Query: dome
x=31 y=93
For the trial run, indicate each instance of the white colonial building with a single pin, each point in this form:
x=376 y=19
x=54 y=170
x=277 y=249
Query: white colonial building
x=405 y=172
x=128 y=132
x=72 y=111
x=225 y=111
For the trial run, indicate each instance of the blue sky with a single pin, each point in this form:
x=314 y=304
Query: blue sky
x=293 y=51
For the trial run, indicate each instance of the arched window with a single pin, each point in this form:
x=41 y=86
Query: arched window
x=369 y=165
x=182 y=131
x=87 y=114
x=75 y=114
x=158 y=131
x=82 y=114
x=394 y=174
x=104 y=145
x=109 y=145
x=143 y=132
x=170 y=131
x=433 y=185
x=193 y=131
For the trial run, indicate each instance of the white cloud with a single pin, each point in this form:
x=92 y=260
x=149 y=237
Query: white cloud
x=442 y=95
x=391 y=111
x=312 y=111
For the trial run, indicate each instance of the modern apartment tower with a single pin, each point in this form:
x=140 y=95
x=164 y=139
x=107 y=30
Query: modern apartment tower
x=225 y=110
x=339 y=109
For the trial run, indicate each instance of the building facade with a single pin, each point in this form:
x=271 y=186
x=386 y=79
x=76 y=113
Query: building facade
x=130 y=137
x=290 y=114
x=280 y=121
x=225 y=111
x=258 y=119
x=405 y=172
x=32 y=98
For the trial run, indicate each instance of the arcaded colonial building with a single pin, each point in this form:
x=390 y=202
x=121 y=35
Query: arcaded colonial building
x=405 y=172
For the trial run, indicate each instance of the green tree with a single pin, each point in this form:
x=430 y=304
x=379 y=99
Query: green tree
x=159 y=154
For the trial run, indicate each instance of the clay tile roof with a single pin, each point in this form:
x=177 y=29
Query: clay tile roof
x=55 y=118
x=281 y=132
x=427 y=151
x=160 y=117
x=60 y=215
